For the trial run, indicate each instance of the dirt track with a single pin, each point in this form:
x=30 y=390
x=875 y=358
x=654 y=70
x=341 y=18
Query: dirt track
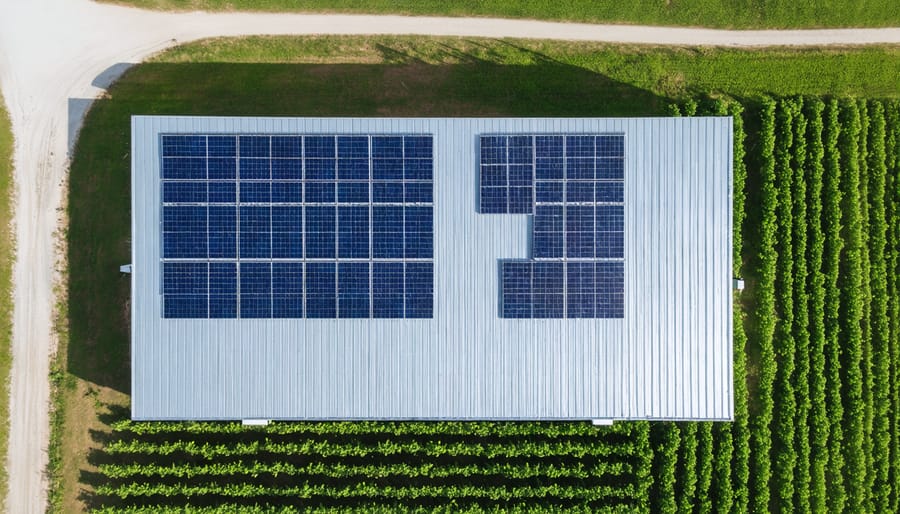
x=54 y=51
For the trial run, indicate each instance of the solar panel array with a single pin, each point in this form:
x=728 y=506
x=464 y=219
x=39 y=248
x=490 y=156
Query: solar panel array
x=293 y=226
x=574 y=186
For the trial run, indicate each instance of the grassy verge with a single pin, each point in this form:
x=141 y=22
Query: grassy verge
x=710 y=13
x=364 y=77
x=7 y=254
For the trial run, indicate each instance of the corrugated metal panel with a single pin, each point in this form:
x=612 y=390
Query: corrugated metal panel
x=670 y=357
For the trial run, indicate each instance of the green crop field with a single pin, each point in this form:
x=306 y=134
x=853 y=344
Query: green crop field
x=7 y=249
x=817 y=154
x=708 y=13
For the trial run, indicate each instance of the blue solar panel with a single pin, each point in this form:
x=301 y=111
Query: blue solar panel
x=580 y=299
x=184 y=192
x=287 y=232
x=184 y=146
x=610 y=169
x=320 y=192
x=579 y=231
x=320 y=232
x=222 y=169
x=221 y=146
x=419 y=233
x=417 y=169
x=580 y=192
x=610 y=192
x=387 y=289
x=353 y=232
x=223 y=232
x=222 y=192
x=520 y=200
x=256 y=290
x=549 y=146
x=185 y=278
x=387 y=232
x=494 y=200
x=255 y=232
x=418 y=192
x=254 y=169
x=222 y=306
x=419 y=289
x=547 y=237
x=494 y=176
x=319 y=147
x=256 y=192
x=574 y=184
x=417 y=147
x=353 y=169
x=387 y=192
x=387 y=169
x=320 y=169
x=193 y=168
x=244 y=198
x=287 y=289
x=353 y=289
x=580 y=146
x=286 y=146
x=610 y=146
x=516 y=278
x=521 y=175
x=287 y=169
x=548 y=192
x=353 y=192
x=254 y=146
x=610 y=289
x=287 y=192
x=222 y=290
x=385 y=147
x=353 y=147
x=548 y=293
x=321 y=292
x=185 y=306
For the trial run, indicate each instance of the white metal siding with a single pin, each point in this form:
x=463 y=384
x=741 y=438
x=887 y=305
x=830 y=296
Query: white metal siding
x=670 y=357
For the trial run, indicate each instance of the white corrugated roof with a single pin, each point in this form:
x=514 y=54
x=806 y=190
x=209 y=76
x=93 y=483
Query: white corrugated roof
x=670 y=357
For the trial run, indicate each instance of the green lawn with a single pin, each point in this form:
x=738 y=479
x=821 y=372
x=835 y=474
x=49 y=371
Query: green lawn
x=7 y=251
x=709 y=13
x=324 y=76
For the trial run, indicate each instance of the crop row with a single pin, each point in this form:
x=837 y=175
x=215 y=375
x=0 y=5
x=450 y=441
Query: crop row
x=383 y=448
x=303 y=489
x=483 y=429
x=380 y=470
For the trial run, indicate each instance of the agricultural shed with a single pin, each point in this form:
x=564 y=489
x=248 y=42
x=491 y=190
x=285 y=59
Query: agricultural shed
x=431 y=268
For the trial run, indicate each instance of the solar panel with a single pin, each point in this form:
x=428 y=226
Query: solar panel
x=574 y=185
x=292 y=226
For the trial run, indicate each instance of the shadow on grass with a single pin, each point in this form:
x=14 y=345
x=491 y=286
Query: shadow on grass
x=99 y=182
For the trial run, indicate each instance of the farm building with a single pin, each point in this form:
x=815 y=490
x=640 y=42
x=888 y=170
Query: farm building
x=431 y=268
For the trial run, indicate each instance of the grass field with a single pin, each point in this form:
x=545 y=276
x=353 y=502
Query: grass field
x=709 y=13
x=7 y=250
x=367 y=77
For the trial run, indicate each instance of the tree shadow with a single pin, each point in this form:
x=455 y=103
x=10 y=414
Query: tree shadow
x=99 y=234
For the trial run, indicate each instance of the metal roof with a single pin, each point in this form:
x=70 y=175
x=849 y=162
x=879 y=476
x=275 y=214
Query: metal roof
x=670 y=357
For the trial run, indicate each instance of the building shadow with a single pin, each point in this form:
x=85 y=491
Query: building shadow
x=99 y=232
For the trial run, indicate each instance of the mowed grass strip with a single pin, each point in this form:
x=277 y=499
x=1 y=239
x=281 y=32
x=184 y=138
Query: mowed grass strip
x=709 y=13
x=7 y=255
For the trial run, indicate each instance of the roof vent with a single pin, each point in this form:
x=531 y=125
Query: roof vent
x=125 y=268
x=739 y=284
